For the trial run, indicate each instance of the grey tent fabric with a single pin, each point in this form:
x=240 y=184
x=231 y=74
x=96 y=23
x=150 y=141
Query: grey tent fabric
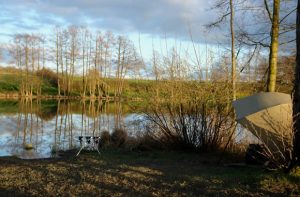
x=260 y=101
x=268 y=115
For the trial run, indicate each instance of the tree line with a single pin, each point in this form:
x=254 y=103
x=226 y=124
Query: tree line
x=94 y=57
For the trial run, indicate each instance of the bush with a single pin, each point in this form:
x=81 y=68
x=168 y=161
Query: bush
x=196 y=126
x=131 y=143
x=256 y=154
x=118 y=137
x=105 y=139
x=142 y=143
x=48 y=75
x=147 y=143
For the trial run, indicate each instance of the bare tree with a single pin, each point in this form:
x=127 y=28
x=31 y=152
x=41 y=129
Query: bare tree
x=268 y=30
x=223 y=4
x=58 y=49
x=84 y=55
x=296 y=97
x=233 y=61
x=124 y=62
x=74 y=52
x=25 y=55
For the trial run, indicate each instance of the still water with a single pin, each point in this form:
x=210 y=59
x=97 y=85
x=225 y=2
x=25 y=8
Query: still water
x=51 y=125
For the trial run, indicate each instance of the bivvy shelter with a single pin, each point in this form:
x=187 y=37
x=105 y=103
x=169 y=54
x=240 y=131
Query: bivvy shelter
x=268 y=115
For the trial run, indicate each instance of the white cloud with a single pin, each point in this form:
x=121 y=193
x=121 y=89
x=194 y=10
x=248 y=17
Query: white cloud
x=152 y=17
x=157 y=17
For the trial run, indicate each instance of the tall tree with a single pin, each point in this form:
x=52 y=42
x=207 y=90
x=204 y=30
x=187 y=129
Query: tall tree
x=274 y=47
x=270 y=29
x=233 y=62
x=57 y=56
x=230 y=6
x=296 y=97
x=74 y=45
x=84 y=46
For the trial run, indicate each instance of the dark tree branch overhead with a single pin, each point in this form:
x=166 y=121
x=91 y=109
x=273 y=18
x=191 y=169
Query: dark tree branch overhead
x=218 y=22
x=268 y=10
x=263 y=36
x=252 y=42
x=290 y=41
x=288 y=14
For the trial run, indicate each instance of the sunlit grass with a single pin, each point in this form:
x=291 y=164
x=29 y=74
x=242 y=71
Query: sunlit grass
x=141 y=89
x=119 y=172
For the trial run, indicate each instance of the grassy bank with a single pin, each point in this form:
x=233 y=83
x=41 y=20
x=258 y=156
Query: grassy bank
x=118 y=173
x=140 y=89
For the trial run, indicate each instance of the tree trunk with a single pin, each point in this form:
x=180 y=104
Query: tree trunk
x=27 y=67
x=274 y=47
x=296 y=97
x=233 y=62
x=57 y=62
x=83 y=63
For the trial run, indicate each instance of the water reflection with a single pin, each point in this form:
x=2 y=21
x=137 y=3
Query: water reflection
x=40 y=128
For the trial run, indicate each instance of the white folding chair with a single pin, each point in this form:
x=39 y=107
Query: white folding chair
x=89 y=143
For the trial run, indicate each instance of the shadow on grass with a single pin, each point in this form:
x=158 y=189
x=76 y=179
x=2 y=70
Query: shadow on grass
x=118 y=172
x=12 y=193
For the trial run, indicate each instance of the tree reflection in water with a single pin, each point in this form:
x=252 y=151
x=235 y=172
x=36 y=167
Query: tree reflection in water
x=40 y=128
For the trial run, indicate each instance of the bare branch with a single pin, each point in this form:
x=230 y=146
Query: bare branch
x=249 y=60
x=293 y=40
x=252 y=42
x=216 y=24
x=294 y=10
x=268 y=10
x=195 y=51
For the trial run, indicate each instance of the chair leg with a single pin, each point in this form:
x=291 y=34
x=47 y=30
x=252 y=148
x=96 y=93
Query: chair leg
x=98 y=151
x=89 y=146
x=82 y=147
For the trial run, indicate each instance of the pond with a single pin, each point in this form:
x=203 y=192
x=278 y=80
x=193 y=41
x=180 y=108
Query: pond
x=39 y=128
x=32 y=129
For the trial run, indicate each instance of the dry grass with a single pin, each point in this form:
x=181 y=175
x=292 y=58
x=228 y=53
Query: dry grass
x=119 y=173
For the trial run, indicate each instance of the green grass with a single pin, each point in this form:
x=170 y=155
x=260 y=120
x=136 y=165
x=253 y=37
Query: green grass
x=137 y=88
x=47 y=89
x=9 y=83
x=7 y=87
x=119 y=173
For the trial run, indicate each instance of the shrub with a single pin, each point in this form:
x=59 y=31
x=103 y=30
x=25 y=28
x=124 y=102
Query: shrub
x=256 y=154
x=118 y=137
x=277 y=146
x=105 y=139
x=147 y=143
x=199 y=126
x=131 y=143
x=48 y=75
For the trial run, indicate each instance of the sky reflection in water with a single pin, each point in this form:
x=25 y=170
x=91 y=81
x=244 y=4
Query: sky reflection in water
x=54 y=125
x=50 y=126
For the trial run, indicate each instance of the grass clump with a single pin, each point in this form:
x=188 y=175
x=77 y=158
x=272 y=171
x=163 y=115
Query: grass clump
x=105 y=139
x=119 y=137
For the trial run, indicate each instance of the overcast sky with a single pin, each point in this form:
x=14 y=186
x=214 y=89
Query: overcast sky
x=153 y=17
x=148 y=18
